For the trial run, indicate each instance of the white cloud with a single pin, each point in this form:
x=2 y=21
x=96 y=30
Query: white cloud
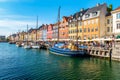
x=15 y=0
x=8 y=27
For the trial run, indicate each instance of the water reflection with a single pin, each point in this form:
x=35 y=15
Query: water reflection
x=20 y=63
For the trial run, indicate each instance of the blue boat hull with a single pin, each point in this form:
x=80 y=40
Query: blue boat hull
x=64 y=52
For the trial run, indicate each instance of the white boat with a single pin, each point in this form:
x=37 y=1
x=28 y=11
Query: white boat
x=22 y=44
x=18 y=45
x=35 y=47
x=27 y=46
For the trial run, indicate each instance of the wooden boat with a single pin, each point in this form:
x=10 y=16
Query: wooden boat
x=58 y=49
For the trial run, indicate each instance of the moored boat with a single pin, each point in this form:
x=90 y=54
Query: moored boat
x=27 y=46
x=60 y=50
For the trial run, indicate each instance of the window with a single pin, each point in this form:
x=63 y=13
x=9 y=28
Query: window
x=111 y=29
x=80 y=30
x=84 y=29
x=118 y=16
x=108 y=29
x=87 y=15
x=96 y=29
x=94 y=14
x=88 y=29
x=108 y=21
x=118 y=26
x=80 y=23
x=92 y=30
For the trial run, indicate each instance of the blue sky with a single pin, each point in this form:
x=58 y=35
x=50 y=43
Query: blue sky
x=16 y=14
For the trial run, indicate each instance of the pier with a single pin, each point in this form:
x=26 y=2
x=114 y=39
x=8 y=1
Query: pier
x=99 y=52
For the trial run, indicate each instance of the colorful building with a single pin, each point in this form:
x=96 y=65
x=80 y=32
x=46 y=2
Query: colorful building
x=39 y=34
x=109 y=25
x=116 y=21
x=49 y=31
x=63 y=28
x=55 y=32
x=44 y=32
x=74 y=22
x=94 y=22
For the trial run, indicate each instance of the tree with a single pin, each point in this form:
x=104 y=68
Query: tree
x=110 y=8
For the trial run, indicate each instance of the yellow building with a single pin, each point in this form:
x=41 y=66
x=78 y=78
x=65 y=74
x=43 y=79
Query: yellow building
x=76 y=23
x=94 y=22
x=90 y=22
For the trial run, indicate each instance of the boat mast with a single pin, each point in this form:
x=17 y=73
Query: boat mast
x=36 y=28
x=58 y=22
x=27 y=34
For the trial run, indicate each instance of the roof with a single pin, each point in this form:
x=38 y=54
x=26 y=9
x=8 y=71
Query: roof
x=78 y=14
x=96 y=8
x=117 y=8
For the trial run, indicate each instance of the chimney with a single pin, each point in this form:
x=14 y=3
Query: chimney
x=98 y=4
x=82 y=9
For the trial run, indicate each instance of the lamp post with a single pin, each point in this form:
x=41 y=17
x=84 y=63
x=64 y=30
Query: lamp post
x=77 y=30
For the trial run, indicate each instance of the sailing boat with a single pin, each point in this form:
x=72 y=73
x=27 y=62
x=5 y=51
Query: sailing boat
x=35 y=45
x=18 y=44
x=66 y=50
x=27 y=46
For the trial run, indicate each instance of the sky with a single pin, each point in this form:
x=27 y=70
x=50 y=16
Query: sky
x=16 y=14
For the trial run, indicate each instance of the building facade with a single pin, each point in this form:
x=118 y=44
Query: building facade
x=63 y=28
x=76 y=25
x=49 y=32
x=94 y=22
x=44 y=32
x=55 y=32
x=109 y=25
x=116 y=21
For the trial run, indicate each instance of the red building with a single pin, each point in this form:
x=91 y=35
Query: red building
x=49 y=32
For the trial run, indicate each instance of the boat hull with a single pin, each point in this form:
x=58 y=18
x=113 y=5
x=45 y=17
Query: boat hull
x=18 y=45
x=64 y=52
x=27 y=47
x=36 y=47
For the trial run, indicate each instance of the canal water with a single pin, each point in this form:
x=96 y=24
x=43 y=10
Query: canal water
x=17 y=63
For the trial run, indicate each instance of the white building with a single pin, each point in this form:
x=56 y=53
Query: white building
x=116 y=21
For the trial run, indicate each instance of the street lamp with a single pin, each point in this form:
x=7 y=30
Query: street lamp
x=77 y=30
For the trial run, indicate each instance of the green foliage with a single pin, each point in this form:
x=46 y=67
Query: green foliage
x=110 y=8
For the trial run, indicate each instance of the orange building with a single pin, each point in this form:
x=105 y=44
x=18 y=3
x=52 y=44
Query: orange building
x=63 y=28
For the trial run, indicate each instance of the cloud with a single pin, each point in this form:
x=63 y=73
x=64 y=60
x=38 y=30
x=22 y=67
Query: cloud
x=11 y=26
x=6 y=0
x=16 y=0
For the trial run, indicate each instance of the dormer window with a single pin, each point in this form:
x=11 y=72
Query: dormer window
x=87 y=15
x=79 y=18
x=94 y=14
x=80 y=14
